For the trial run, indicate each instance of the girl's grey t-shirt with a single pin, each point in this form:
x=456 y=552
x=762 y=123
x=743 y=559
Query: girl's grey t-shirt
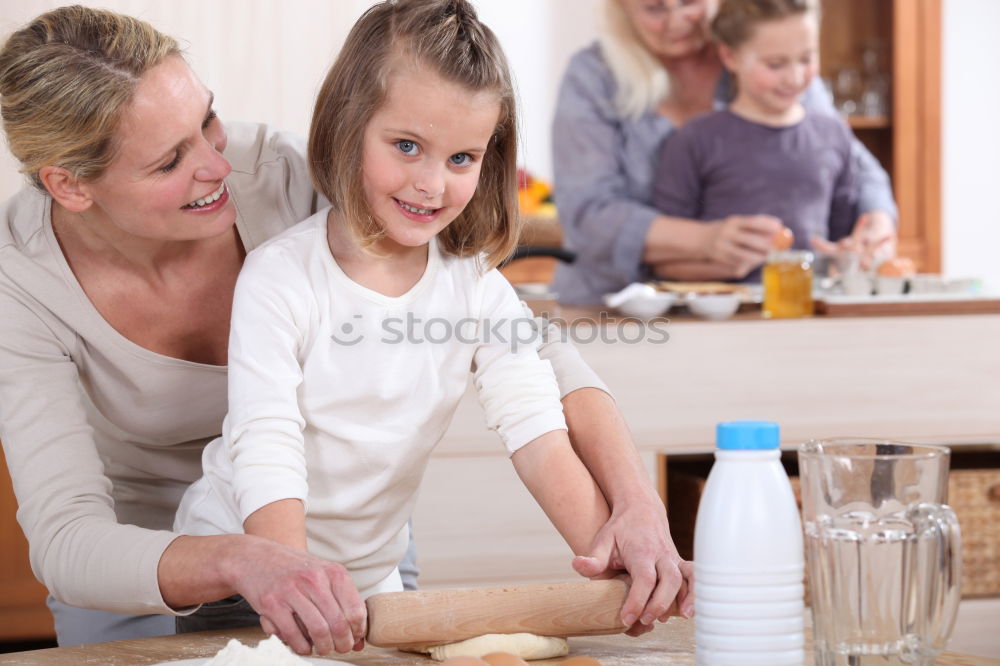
x=722 y=164
x=604 y=165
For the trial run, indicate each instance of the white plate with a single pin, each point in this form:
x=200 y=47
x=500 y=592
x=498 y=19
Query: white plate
x=204 y=660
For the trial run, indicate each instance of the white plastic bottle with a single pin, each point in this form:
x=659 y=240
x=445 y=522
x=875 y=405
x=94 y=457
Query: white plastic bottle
x=748 y=557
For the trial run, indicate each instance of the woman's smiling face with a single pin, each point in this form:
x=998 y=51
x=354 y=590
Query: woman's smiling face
x=166 y=180
x=670 y=28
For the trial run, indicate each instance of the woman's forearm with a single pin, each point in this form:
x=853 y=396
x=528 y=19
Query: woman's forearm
x=199 y=569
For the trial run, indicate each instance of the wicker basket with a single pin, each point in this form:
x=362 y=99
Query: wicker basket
x=974 y=494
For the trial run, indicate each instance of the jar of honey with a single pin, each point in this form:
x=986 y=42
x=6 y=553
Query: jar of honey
x=787 y=278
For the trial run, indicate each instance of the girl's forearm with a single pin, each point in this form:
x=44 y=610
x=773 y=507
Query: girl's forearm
x=562 y=486
x=283 y=521
x=693 y=270
x=602 y=440
x=672 y=238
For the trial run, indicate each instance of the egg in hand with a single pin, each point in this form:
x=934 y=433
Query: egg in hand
x=783 y=239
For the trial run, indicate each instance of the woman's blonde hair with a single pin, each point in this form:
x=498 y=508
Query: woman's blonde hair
x=736 y=19
x=641 y=80
x=65 y=80
x=447 y=37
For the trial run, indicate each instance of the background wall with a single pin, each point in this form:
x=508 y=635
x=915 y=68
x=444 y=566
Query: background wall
x=970 y=82
x=265 y=60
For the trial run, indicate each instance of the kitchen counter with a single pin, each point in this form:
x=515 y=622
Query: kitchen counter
x=918 y=378
x=669 y=644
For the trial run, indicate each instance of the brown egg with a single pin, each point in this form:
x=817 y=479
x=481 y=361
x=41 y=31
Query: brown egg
x=897 y=267
x=783 y=239
x=464 y=661
x=580 y=661
x=503 y=659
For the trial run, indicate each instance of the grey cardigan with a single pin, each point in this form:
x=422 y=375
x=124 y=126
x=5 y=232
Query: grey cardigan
x=604 y=165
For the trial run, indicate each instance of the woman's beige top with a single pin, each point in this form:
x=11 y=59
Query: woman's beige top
x=102 y=436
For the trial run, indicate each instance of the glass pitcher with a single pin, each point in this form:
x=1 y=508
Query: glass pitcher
x=883 y=551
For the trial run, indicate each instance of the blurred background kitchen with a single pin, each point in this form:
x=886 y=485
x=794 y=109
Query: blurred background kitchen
x=265 y=60
x=917 y=80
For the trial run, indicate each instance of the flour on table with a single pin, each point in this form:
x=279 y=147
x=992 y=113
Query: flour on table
x=269 y=652
x=525 y=646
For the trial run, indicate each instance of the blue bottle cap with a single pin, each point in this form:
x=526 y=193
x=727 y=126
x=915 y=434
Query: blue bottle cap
x=747 y=435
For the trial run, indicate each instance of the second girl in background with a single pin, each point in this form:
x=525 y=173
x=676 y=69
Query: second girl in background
x=764 y=154
x=653 y=69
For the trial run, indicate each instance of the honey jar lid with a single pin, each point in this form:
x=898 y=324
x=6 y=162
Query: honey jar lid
x=790 y=257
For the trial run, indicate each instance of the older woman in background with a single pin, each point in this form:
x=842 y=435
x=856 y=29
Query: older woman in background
x=653 y=69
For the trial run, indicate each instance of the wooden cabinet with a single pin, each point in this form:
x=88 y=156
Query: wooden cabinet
x=901 y=39
x=23 y=613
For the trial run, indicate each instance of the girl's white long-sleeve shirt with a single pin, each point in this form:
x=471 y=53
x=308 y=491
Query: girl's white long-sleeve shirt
x=338 y=394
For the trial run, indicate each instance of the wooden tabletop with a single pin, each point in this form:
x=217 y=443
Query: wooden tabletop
x=670 y=643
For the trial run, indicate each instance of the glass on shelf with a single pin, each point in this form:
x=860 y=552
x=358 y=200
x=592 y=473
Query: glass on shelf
x=874 y=100
x=847 y=89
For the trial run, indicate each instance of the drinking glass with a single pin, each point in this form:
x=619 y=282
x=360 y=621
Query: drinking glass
x=883 y=551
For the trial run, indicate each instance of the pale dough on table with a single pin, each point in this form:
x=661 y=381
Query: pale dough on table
x=525 y=646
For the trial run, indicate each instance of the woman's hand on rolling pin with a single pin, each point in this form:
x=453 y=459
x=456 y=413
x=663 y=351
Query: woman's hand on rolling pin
x=306 y=601
x=636 y=541
x=741 y=242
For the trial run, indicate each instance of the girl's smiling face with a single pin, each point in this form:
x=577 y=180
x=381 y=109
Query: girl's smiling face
x=775 y=65
x=422 y=153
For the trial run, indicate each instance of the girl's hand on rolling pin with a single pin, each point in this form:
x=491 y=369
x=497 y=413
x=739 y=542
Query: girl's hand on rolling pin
x=306 y=601
x=636 y=541
x=872 y=241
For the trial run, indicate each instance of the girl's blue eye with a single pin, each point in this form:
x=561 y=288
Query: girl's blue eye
x=461 y=159
x=407 y=147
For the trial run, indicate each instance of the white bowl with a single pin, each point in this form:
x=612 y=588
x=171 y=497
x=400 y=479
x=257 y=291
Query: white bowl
x=889 y=285
x=856 y=283
x=714 y=306
x=647 y=306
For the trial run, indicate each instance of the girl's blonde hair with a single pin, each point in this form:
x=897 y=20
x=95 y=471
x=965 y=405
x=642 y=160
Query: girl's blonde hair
x=65 y=80
x=641 y=80
x=736 y=19
x=443 y=35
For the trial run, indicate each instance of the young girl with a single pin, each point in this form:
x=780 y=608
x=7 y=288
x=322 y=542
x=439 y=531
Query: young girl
x=764 y=154
x=354 y=333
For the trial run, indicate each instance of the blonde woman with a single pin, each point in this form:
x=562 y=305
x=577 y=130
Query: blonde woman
x=118 y=264
x=653 y=69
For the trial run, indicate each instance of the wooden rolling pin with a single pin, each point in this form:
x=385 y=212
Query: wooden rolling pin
x=433 y=617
